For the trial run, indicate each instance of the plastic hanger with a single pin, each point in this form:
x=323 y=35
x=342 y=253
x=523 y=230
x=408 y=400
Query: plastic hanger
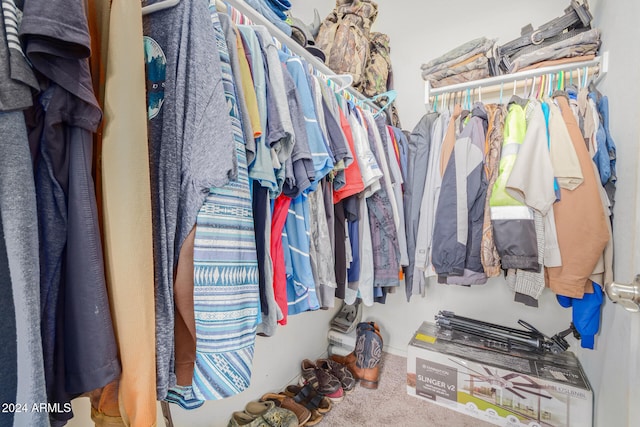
x=435 y=104
x=342 y=81
x=586 y=76
x=501 y=90
x=158 y=6
x=533 y=88
x=390 y=95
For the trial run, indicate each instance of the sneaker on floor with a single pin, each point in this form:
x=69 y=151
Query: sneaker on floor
x=339 y=371
x=322 y=381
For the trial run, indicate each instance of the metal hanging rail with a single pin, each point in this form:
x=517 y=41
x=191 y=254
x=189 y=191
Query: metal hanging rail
x=294 y=47
x=497 y=82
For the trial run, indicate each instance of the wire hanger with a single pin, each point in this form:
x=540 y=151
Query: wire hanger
x=158 y=6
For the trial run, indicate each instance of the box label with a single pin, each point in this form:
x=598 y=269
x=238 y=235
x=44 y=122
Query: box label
x=434 y=380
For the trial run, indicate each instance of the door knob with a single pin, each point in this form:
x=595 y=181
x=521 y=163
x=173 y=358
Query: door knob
x=627 y=295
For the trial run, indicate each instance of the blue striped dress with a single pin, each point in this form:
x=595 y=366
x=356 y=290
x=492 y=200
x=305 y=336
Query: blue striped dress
x=226 y=295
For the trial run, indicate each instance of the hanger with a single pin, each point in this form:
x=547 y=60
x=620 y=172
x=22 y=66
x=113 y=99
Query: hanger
x=390 y=95
x=586 y=76
x=158 y=6
x=533 y=88
x=501 y=90
x=435 y=104
x=342 y=81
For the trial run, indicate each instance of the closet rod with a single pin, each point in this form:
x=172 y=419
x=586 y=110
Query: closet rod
x=602 y=62
x=257 y=18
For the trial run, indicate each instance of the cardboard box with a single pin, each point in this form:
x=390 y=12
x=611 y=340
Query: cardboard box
x=504 y=389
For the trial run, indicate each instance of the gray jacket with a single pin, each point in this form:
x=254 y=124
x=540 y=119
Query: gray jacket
x=457 y=233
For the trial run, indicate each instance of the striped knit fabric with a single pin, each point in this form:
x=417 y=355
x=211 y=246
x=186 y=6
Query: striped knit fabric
x=226 y=295
x=12 y=16
x=296 y=242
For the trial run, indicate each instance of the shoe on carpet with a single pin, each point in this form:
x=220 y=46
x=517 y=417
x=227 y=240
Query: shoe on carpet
x=365 y=360
x=339 y=371
x=245 y=420
x=303 y=414
x=307 y=396
x=263 y=414
x=323 y=382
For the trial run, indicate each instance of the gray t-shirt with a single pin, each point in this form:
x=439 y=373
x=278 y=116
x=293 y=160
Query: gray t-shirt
x=299 y=167
x=281 y=131
x=15 y=74
x=191 y=146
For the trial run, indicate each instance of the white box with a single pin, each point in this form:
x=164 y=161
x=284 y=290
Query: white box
x=500 y=388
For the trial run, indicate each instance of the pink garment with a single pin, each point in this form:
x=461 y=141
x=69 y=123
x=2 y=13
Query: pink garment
x=279 y=217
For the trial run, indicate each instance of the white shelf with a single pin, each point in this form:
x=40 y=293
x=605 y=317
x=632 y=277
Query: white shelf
x=599 y=65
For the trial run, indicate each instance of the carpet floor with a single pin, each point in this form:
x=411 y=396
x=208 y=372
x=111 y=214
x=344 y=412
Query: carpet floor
x=390 y=405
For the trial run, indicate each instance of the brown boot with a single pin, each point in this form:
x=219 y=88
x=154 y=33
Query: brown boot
x=350 y=359
x=364 y=361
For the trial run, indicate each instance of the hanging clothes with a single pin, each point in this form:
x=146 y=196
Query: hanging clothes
x=9 y=350
x=225 y=269
x=418 y=156
x=457 y=234
x=19 y=230
x=126 y=195
x=590 y=234
x=429 y=205
x=493 y=147
x=531 y=182
x=183 y=164
x=386 y=255
x=513 y=224
x=278 y=219
x=79 y=346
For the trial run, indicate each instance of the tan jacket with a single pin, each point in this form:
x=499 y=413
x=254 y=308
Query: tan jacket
x=581 y=222
x=493 y=147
